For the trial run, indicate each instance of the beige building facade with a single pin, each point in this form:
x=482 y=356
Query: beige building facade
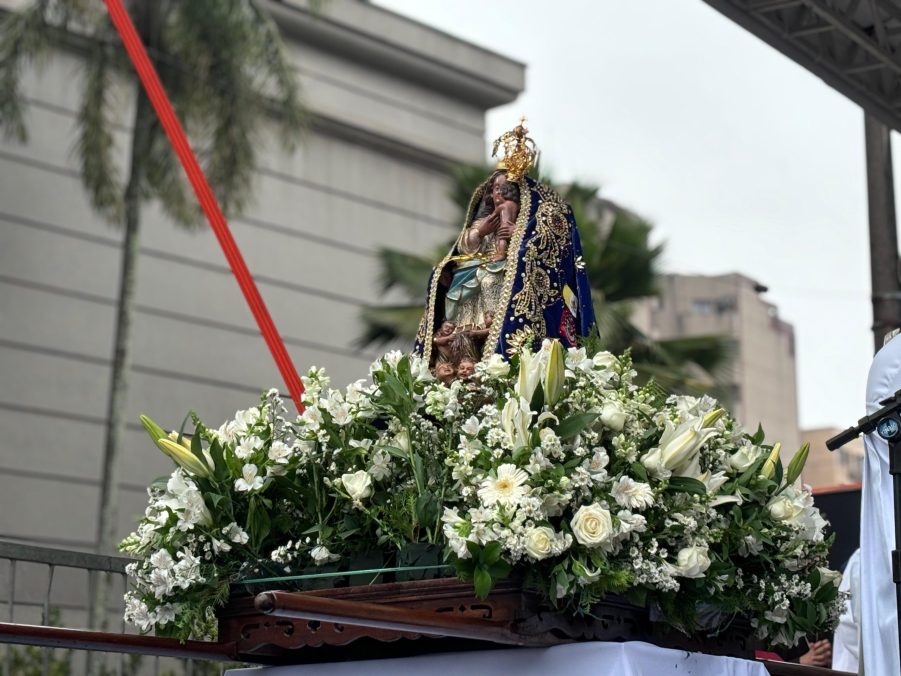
x=762 y=378
x=827 y=468
x=396 y=104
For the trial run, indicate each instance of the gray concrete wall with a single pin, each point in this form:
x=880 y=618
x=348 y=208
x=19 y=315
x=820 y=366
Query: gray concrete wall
x=396 y=104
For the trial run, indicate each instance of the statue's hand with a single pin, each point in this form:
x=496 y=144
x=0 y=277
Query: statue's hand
x=505 y=230
x=488 y=224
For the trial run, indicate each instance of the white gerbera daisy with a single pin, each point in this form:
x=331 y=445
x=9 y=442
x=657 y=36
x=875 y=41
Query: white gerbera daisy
x=506 y=488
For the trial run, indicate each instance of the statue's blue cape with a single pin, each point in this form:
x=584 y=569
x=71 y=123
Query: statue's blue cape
x=545 y=293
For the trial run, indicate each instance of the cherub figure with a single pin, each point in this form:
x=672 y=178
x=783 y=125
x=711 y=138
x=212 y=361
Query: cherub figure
x=444 y=341
x=466 y=368
x=445 y=372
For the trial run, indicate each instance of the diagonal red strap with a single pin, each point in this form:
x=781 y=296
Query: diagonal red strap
x=163 y=107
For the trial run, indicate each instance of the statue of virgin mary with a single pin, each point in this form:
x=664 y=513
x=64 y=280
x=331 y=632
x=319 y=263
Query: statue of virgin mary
x=514 y=276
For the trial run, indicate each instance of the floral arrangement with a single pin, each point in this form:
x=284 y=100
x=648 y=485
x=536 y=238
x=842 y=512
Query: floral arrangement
x=555 y=466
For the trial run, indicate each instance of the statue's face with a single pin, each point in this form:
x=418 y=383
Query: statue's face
x=444 y=371
x=447 y=328
x=466 y=369
x=499 y=180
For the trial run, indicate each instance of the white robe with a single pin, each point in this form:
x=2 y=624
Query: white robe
x=846 y=642
x=879 y=614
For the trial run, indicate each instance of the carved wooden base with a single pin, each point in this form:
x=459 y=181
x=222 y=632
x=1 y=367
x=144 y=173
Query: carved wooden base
x=422 y=616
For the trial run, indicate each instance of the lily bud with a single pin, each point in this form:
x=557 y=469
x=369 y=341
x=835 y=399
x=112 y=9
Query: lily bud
x=155 y=431
x=769 y=466
x=712 y=417
x=552 y=382
x=173 y=436
x=796 y=466
x=183 y=457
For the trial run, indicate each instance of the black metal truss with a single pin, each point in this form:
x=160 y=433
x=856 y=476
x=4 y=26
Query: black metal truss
x=853 y=45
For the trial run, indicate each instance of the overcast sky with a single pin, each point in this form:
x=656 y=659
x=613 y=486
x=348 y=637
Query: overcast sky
x=743 y=160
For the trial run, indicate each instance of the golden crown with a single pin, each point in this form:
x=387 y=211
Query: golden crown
x=519 y=154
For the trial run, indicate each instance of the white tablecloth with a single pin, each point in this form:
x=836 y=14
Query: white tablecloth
x=576 y=659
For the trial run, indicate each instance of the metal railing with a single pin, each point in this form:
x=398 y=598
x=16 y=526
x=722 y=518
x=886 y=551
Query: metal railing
x=31 y=572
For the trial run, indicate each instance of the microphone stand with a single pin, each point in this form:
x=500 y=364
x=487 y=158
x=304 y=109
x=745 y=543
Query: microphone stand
x=886 y=422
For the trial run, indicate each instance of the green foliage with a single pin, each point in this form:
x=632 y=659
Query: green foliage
x=222 y=64
x=483 y=567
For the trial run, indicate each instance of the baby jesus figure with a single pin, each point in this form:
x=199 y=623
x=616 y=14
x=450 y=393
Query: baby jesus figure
x=506 y=210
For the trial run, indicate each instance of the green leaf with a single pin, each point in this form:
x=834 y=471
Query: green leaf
x=258 y=524
x=521 y=454
x=684 y=484
x=482 y=582
x=499 y=569
x=215 y=499
x=393 y=450
x=218 y=457
x=639 y=471
x=427 y=509
x=537 y=402
x=574 y=424
x=197 y=447
x=491 y=553
x=758 y=436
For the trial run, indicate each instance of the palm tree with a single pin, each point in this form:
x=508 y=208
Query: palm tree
x=223 y=66
x=622 y=268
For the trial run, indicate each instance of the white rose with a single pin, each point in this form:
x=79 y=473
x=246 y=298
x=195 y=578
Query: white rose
x=496 y=367
x=692 y=562
x=321 y=555
x=471 y=426
x=358 y=485
x=604 y=360
x=613 y=415
x=828 y=576
x=540 y=542
x=783 y=509
x=592 y=525
x=744 y=457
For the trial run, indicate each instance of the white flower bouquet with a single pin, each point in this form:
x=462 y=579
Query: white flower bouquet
x=555 y=467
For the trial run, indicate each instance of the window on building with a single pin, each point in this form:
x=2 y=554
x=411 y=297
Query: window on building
x=713 y=306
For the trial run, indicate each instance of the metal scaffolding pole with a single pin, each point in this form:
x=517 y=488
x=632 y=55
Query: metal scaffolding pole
x=886 y=290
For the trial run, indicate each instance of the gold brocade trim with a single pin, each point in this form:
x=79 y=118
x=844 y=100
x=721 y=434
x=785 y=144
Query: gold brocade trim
x=525 y=207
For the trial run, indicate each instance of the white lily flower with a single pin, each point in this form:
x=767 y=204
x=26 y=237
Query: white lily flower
x=249 y=480
x=680 y=445
x=515 y=419
x=529 y=374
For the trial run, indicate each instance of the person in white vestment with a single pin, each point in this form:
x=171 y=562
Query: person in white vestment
x=846 y=642
x=878 y=611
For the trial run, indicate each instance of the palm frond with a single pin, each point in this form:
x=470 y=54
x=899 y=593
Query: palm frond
x=407 y=271
x=23 y=39
x=387 y=323
x=711 y=353
x=95 y=145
